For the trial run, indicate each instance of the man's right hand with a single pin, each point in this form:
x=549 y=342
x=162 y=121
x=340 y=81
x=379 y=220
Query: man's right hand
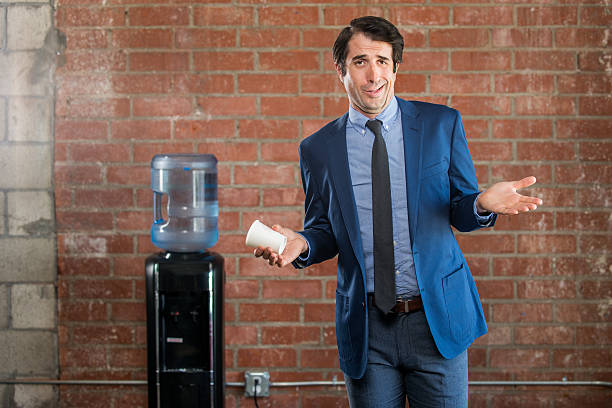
x=296 y=245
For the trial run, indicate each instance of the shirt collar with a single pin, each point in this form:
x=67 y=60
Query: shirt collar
x=358 y=120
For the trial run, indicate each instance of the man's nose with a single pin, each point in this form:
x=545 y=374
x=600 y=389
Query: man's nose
x=373 y=73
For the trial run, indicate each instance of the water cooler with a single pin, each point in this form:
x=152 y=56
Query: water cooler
x=184 y=286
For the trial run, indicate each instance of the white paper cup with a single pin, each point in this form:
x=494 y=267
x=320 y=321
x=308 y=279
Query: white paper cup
x=260 y=235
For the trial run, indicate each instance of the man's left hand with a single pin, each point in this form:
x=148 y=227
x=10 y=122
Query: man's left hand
x=502 y=198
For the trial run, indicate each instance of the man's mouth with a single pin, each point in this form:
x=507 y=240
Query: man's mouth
x=375 y=91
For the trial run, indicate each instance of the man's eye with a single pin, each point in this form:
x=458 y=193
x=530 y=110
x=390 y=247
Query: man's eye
x=383 y=62
x=360 y=62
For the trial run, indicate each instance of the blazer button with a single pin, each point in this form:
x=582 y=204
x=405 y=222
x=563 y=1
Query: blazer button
x=363 y=305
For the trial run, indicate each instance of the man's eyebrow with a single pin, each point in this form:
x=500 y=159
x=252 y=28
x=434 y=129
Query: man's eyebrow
x=362 y=56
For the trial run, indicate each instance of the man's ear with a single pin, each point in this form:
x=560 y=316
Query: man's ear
x=339 y=72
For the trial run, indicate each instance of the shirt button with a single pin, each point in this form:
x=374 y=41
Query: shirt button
x=397 y=272
x=394 y=243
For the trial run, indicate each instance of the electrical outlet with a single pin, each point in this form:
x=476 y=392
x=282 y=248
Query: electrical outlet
x=257 y=381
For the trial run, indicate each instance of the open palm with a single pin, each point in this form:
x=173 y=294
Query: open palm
x=502 y=197
x=296 y=244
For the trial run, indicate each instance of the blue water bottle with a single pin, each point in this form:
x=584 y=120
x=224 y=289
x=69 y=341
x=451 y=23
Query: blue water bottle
x=189 y=184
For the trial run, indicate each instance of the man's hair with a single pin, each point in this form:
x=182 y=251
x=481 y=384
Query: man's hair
x=374 y=28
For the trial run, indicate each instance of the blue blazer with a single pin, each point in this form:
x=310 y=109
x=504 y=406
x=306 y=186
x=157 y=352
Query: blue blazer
x=441 y=187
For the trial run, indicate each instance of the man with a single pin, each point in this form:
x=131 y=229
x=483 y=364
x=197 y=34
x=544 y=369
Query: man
x=384 y=184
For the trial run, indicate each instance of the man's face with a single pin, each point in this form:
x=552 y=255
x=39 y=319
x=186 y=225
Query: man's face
x=369 y=78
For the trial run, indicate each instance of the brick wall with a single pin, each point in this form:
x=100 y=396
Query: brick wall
x=247 y=80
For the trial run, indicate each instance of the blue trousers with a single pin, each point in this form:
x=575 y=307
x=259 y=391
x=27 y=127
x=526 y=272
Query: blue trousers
x=404 y=363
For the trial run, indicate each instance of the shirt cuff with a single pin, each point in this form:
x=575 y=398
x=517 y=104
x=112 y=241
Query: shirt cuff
x=483 y=220
x=302 y=260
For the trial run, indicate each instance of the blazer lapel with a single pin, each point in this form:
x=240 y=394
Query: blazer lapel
x=412 y=128
x=341 y=182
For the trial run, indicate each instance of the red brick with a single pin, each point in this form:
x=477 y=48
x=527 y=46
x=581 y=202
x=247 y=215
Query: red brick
x=545 y=60
x=237 y=335
x=545 y=105
x=141 y=83
x=292 y=335
x=83 y=221
x=223 y=15
x=318 y=37
x=547 y=15
x=140 y=129
x=482 y=105
x=341 y=16
x=319 y=358
x=144 y=152
x=580 y=37
x=222 y=61
x=544 y=335
x=159 y=16
x=66 y=130
x=480 y=244
x=420 y=16
x=495 y=289
x=292 y=289
x=105 y=152
x=581 y=313
x=323 y=401
x=134 y=220
x=335 y=106
x=288 y=60
x=596 y=289
x=142 y=38
x=129 y=175
x=595 y=16
x=90 y=17
x=96 y=61
x=128 y=266
x=475 y=16
x=579 y=358
x=272 y=37
x=310 y=126
x=589 y=266
x=546 y=244
x=93 y=108
x=228 y=152
x=595 y=196
x=519 y=83
x=162 y=106
x=267 y=83
x=83 y=266
x=268 y=129
x=237 y=289
x=102 y=289
x=583 y=173
x=424 y=61
x=292 y=16
x=238 y=197
x=283 y=197
x=327 y=268
x=270 y=357
x=522 y=267
x=522 y=37
x=476 y=128
x=290 y=106
x=585 y=84
x=584 y=221
x=595 y=105
x=242 y=105
x=82 y=311
x=199 y=129
x=128 y=357
x=593 y=61
x=458 y=37
x=93 y=245
x=522 y=128
x=265 y=312
x=529 y=151
x=519 y=358
x=326 y=83
x=159 y=61
x=533 y=221
x=280 y=152
x=594 y=335
x=319 y=312
x=477 y=357
x=82 y=357
x=479 y=266
x=102 y=335
x=459 y=83
x=82 y=84
x=190 y=38
x=77 y=39
x=522 y=312
x=547 y=289
x=491 y=151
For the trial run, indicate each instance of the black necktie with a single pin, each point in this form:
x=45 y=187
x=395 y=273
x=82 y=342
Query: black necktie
x=384 y=262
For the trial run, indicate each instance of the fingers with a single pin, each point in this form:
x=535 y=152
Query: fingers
x=526 y=182
x=266 y=253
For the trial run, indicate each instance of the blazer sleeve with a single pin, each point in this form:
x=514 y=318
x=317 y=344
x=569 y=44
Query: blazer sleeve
x=317 y=227
x=463 y=183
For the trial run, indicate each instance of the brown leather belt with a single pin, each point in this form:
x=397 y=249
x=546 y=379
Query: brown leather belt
x=401 y=306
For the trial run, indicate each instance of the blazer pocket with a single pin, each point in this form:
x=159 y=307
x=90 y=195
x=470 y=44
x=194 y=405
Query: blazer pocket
x=457 y=296
x=434 y=168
